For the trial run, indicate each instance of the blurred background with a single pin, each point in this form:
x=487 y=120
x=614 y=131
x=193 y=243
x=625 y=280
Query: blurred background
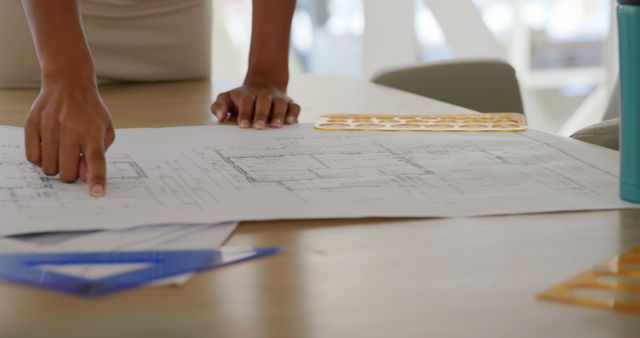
x=564 y=51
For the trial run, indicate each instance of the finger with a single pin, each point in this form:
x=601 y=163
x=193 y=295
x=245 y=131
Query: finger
x=279 y=110
x=49 y=151
x=69 y=159
x=32 y=142
x=262 y=110
x=109 y=138
x=96 y=169
x=292 y=113
x=245 y=111
x=233 y=118
x=221 y=107
x=82 y=169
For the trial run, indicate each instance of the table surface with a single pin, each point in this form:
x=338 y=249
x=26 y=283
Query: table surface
x=345 y=278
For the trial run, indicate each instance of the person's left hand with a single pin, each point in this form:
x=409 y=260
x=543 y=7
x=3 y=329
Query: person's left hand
x=257 y=105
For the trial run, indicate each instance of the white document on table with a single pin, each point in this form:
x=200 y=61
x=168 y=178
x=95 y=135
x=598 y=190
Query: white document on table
x=13 y=246
x=160 y=237
x=222 y=173
x=153 y=237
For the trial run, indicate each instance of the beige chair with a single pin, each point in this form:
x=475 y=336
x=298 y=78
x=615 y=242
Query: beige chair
x=606 y=133
x=487 y=86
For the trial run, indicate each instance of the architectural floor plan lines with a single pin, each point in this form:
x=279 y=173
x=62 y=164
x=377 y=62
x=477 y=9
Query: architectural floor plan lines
x=216 y=173
x=122 y=167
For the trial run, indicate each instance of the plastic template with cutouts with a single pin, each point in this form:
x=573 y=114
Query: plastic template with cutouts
x=490 y=122
x=614 y=285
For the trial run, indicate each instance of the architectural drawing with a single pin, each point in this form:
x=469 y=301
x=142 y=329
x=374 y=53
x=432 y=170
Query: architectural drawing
x=209 y=174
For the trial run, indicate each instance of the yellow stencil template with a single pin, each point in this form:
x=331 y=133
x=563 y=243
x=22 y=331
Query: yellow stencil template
x=490 y=122
x=614 y=285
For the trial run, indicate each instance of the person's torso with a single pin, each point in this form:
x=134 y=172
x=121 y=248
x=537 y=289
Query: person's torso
x=127 y=8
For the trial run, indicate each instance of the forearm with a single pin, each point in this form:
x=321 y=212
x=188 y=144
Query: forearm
x=271 y=30
x=59 y=39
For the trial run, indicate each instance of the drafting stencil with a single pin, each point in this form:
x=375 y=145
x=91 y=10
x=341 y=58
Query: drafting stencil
x=211 y=174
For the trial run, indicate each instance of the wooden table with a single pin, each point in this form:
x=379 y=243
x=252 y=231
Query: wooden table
x=469 y=277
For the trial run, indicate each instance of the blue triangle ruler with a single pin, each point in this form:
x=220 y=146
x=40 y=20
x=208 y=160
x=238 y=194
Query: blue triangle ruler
x=26 y=269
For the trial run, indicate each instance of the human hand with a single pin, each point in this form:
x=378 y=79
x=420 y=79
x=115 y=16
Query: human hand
x=257 y=105
x=68 y=131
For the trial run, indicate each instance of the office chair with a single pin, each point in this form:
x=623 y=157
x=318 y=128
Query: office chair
x=606 y=133
x=488 y=86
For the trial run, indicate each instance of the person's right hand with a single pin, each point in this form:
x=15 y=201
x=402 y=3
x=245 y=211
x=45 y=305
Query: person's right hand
x=68 y=131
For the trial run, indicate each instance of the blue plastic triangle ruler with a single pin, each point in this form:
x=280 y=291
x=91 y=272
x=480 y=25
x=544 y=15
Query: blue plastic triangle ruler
x=26 y=269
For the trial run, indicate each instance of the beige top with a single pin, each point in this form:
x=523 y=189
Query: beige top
x=131 y=40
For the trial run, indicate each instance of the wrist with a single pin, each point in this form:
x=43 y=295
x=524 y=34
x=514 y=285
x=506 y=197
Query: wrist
x=69 y=85
x=83 y=75
x=278 y=79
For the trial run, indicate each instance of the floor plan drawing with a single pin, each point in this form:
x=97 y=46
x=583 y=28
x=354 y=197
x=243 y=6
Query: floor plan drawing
x=361 y=168
x=212 y=174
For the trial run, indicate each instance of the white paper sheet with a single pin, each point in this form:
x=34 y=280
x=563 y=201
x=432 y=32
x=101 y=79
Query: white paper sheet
x=141 y=238
x=153 y=237
x=220 y=173
x=10 y=246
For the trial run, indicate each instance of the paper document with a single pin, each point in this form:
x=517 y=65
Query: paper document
x=221 y=173
x=9 y=246
x=153 y=237
x=142 y=238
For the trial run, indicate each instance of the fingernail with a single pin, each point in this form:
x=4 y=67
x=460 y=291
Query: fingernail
x=277 y=123
x=291 y=119
x=97 y=190
x=260 y=124
x=219 y=115
x=244 y=124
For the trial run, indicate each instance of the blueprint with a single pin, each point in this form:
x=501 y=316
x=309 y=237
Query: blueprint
x=221 y=173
